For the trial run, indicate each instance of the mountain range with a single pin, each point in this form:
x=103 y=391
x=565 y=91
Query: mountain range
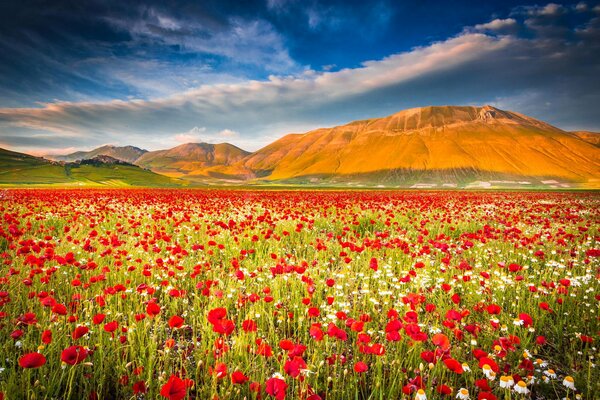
x=428 y=147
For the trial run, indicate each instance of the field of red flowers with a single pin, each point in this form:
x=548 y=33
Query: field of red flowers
x=214 y=294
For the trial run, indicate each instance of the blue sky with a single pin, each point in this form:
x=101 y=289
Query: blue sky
x=79 y=74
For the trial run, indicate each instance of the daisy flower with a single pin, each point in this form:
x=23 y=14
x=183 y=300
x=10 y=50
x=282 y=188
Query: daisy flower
x=506 y=381
x=521 y=388
x=569 y=382
x=463 y=394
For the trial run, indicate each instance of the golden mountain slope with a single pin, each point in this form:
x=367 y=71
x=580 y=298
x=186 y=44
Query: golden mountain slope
x=191 y=158
x=433 y=139
x=590 y=137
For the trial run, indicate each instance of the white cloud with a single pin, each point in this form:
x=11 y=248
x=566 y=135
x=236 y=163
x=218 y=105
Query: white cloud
x=249 y=42
x=497 y=25
x=228 y=133
x=194 y=135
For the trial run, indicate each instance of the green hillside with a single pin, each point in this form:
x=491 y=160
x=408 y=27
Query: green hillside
x=21 y=169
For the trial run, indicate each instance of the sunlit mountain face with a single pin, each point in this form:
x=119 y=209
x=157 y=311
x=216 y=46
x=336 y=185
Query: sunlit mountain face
x=75 y=76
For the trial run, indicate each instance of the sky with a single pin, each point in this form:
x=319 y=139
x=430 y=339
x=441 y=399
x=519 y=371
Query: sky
x=155 y=74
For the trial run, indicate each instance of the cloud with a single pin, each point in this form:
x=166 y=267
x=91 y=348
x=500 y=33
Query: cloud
x=508 y=25
x=550 y=9
x=200 y=134
x=549 y=77
x=250 y=42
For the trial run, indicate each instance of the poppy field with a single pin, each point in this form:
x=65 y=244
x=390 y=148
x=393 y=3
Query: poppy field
x=218 y=294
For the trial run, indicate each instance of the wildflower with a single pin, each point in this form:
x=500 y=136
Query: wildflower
x=488 y=372
x=550 y=373
x=463 y=394
x=175 y=322
x=74 y=355
x=420 y=395
x=521 y=388
x=360 y=367
x=569 y=382
x=541 y=363
x=276 y=387
x=174 y=389
x=239 y=378
x=506 y=381
x=32 y=360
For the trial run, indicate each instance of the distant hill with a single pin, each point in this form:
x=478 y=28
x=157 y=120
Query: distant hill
x=191 y=158
x=124 y=153
x=21 y=169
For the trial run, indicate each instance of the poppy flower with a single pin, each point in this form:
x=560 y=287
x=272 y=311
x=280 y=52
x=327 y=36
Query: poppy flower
x=249 y=326
x=47 y=337
x=294 y=366
x=139 y=387
x=454 y=365
x=152 y=309
x=220 y=370
x=239 y=378
x=360 y=367
x=276 y=387
x=441 y=341
x=74 y=355
x=98 y=319
x=174 y=389
x=175 y=322
x=80 y=331
x=111 y=326
x=32 y=360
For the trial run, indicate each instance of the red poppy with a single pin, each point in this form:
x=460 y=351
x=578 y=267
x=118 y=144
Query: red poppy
x=32 y=360
x=152 y=309
x=74 y=355
x=80 y=331
x=139 y=387
x=47 y=337
x=444 y=390
x=360 y=367
x=176 y=322
x=111 y=326
x=220 y=370
x=174 y=389
x=441 y=341
x=294 y=366
x=276 y=387
x=98 y=319
x=249 y=326
x=238 y=378
x=454 y=365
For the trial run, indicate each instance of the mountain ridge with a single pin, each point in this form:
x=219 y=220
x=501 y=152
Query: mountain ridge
x=124 y=153
x=434 y=145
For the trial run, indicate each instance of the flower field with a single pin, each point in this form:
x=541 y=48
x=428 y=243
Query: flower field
x=215 y=294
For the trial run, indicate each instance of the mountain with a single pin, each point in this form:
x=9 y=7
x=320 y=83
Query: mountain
x=440 y=146
x=590 y=137
x=125 y=153
x=428 y=147
x=21 y=169
x=192 y=159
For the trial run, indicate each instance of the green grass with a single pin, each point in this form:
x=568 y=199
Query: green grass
x=18 y=169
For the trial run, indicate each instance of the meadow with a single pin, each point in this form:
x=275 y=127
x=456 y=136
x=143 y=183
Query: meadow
x=217 y=294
